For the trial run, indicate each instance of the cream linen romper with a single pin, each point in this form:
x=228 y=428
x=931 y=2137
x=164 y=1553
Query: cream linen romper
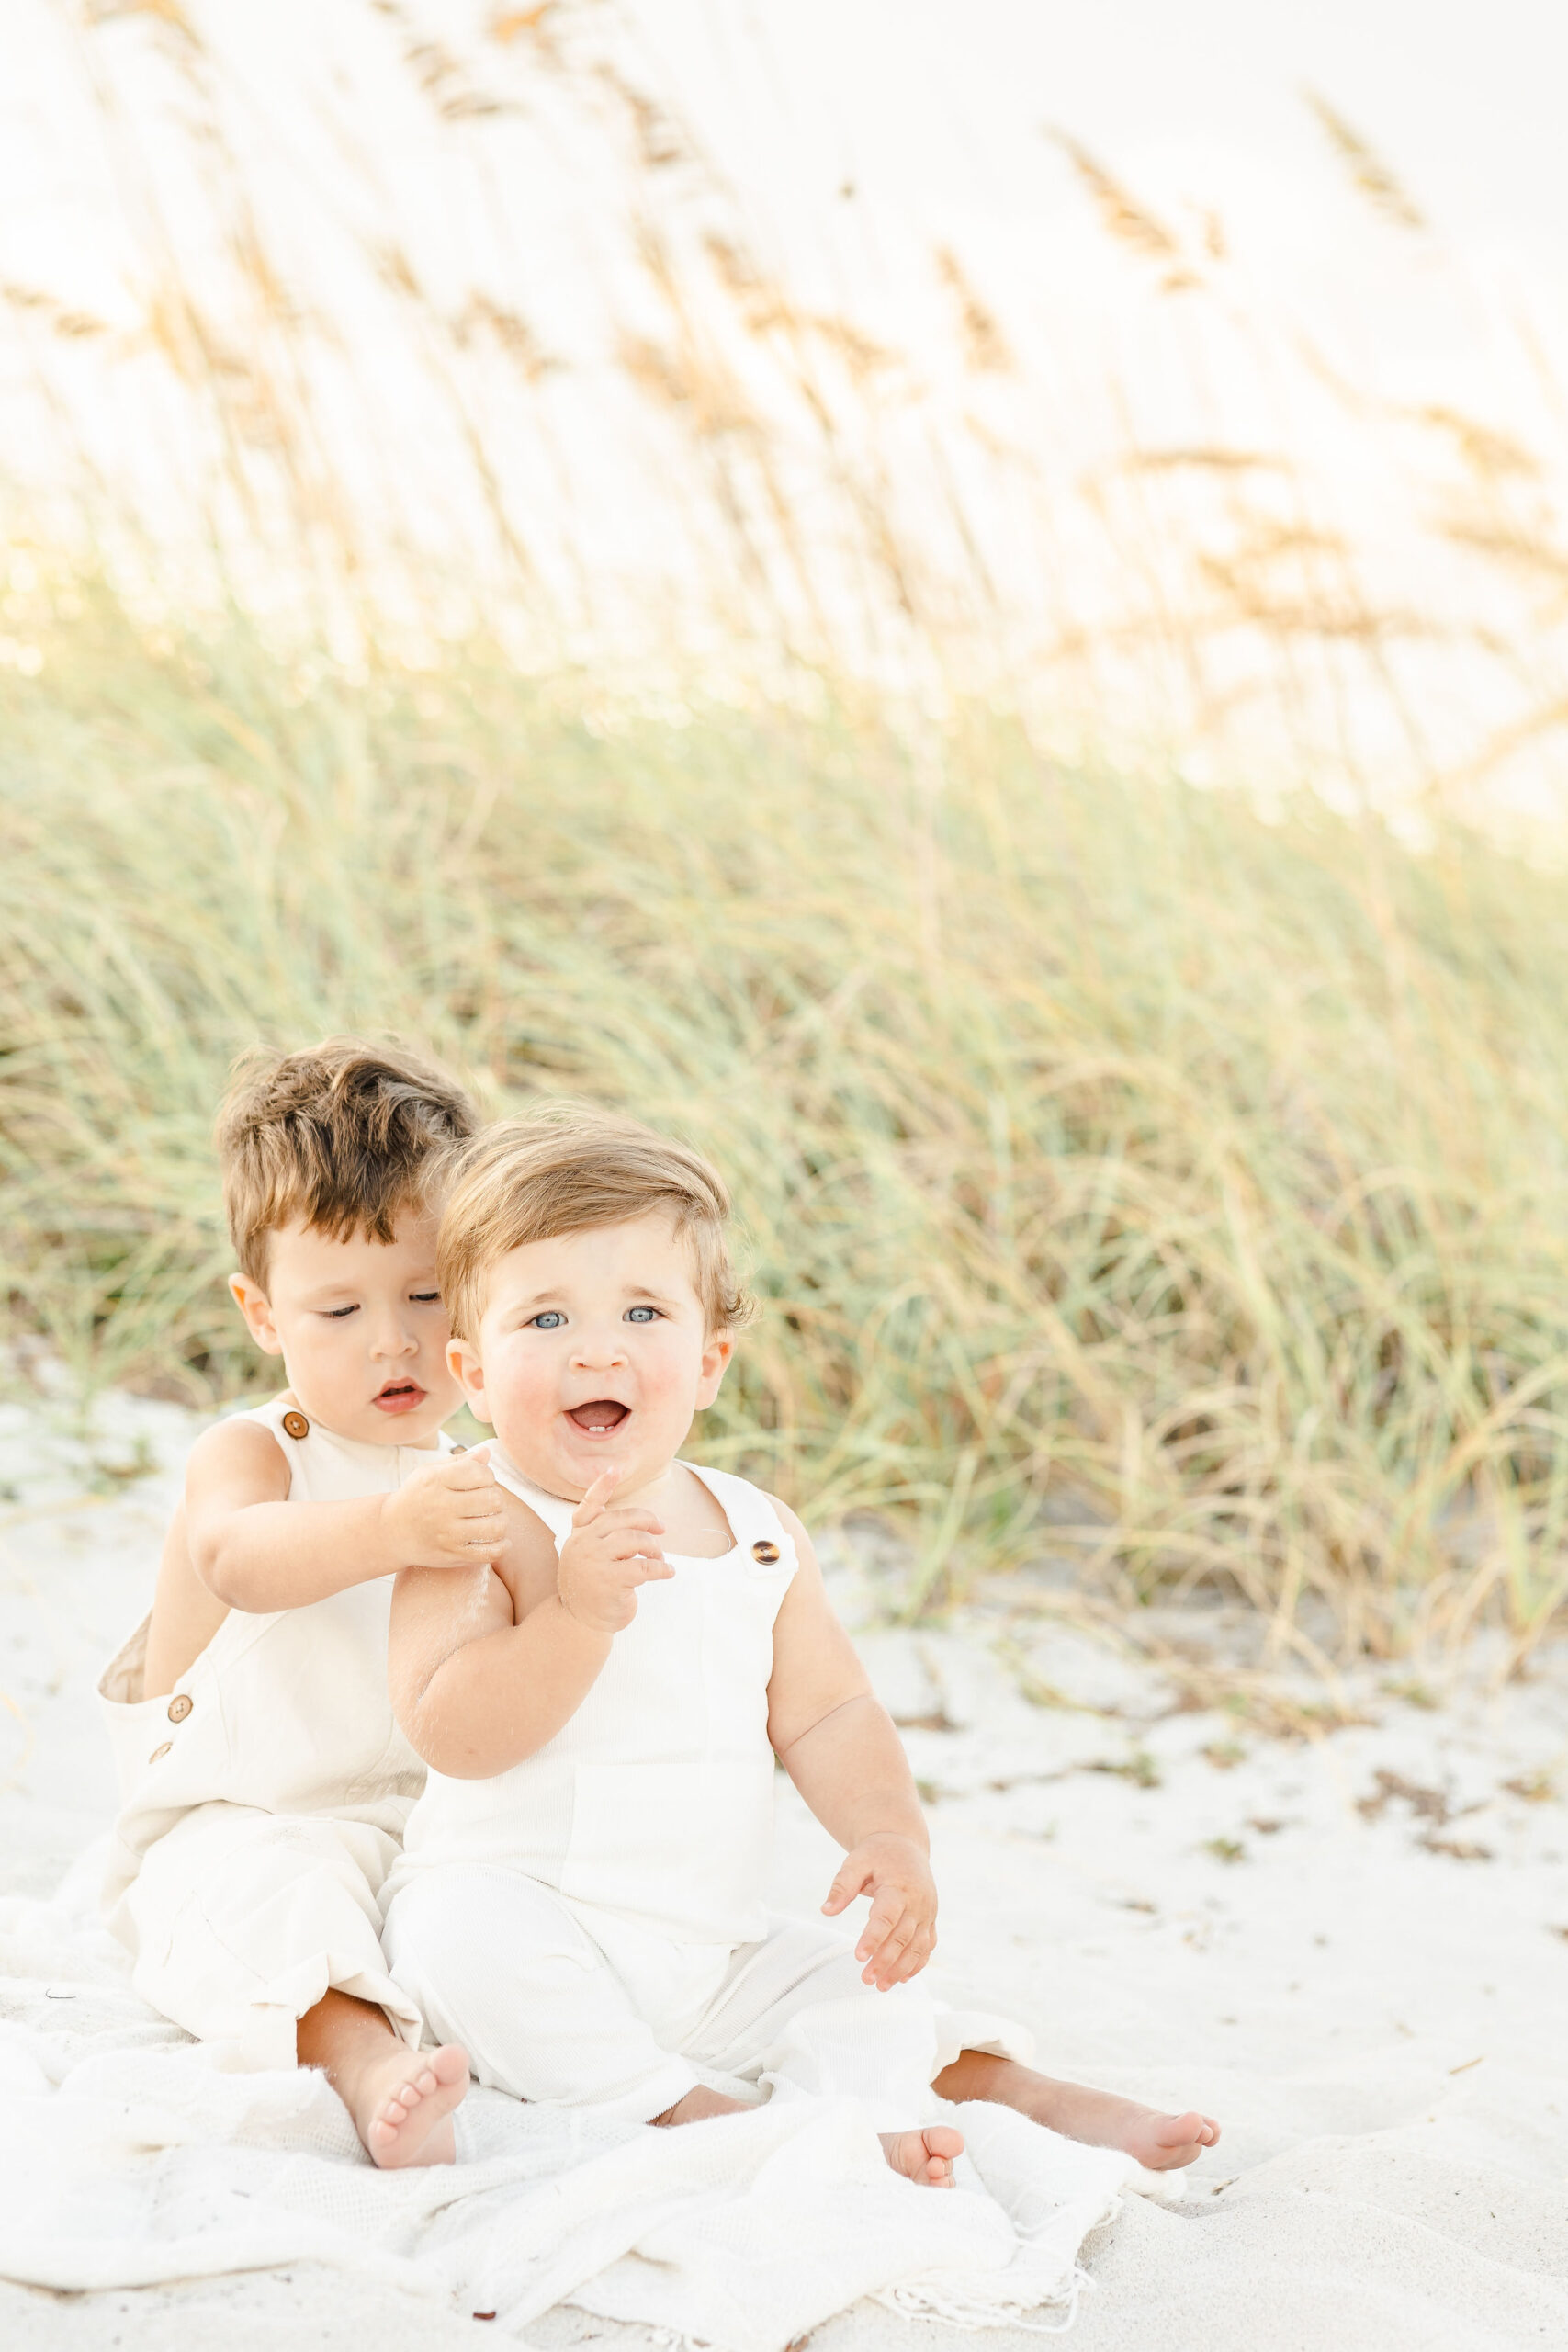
x=592 y=1925
x=263 y=1798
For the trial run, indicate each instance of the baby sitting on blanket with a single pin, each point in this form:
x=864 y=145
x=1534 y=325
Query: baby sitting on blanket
x=580 y=1899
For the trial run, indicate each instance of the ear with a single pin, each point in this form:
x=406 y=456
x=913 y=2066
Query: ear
x=716 y=1354
x=463 y=1364
x=253 y=1305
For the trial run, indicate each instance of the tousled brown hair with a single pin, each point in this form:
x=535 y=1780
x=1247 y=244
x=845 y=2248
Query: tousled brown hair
x=344 y=1137
x=565 y=1170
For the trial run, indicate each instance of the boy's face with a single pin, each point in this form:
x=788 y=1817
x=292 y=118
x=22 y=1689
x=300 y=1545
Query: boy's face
x=594 y=1354
x=361 y=1330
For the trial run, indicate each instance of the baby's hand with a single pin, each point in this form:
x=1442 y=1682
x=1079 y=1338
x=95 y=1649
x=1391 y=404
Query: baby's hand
x=900 y=1934
x=608 y=1553
x=450 y=1516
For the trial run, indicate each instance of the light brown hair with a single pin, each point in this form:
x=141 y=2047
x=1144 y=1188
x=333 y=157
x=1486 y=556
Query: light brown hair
x=344 y=1137
x=565 y=1170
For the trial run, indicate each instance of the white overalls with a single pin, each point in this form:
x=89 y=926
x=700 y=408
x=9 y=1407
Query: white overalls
x=263 y=1798
x=592 y=1925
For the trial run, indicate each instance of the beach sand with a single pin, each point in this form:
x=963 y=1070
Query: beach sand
x=1348 y=1940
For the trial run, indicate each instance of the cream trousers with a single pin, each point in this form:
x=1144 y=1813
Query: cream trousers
x=554 y=2002
x=240 y=1919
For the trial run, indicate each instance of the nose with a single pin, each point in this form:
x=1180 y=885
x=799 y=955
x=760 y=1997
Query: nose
x=390 y=1335
x=600 y=1348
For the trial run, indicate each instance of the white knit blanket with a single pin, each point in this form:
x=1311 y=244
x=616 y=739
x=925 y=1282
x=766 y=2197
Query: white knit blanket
x=126 y=2160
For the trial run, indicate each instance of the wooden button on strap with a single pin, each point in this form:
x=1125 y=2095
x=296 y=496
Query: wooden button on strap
x=159 y=1752
x=764 y=1551
x=296 y=1425
x=180 y=1706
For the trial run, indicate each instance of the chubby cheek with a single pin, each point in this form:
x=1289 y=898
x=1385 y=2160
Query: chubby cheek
x=521 y=1388
x=669 y=1381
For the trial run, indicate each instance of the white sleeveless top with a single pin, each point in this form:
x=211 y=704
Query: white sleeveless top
x=655 y=1802
x=287 y=1712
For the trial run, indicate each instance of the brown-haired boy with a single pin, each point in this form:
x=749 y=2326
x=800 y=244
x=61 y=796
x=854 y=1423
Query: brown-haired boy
x=264 y=1782
x=582 y=1897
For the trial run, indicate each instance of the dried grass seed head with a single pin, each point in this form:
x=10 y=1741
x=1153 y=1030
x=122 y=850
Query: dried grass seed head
x=567 y=1171
x=344 y=1136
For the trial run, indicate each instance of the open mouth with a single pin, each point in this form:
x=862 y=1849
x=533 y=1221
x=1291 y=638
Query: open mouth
x=600 y=1417
x=398 y=1396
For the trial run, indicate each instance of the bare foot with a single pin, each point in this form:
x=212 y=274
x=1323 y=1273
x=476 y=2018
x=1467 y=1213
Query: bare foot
x=698 y=2104
x=401 y=2104
x=1160 y=2142
x=924 y=2156
x=400 y=2099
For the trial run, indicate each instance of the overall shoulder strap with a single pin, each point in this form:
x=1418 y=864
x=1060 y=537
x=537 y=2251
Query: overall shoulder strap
x=753 y=1516
x=554 y=1510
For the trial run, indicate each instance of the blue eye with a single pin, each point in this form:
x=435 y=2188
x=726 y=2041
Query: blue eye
x=642 y=1313
x=550 y=1320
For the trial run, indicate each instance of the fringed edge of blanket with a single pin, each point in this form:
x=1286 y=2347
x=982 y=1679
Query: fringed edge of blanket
x=959 y=2308
x=974 y=2305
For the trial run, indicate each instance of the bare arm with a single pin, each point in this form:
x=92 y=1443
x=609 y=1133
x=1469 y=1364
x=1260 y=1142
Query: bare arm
x=487 y=1667
x=838 y=1746
x=185 y=1614
x=255 y=1550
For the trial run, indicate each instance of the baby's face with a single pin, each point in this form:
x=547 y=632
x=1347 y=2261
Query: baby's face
x=361 y=1330
x=594 y=1354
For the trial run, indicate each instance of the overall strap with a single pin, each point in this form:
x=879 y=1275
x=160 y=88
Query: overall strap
x=554 y=1510
x=759 y=1531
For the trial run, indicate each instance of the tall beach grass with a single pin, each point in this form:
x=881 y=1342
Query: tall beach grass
x=1126 y=1174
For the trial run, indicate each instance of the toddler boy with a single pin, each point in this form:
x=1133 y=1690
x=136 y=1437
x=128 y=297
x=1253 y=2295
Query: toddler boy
x=264 y=1782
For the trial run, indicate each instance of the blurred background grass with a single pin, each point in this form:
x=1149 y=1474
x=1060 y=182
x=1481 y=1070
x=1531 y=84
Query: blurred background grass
x=1127 y=1174
x=791 y=736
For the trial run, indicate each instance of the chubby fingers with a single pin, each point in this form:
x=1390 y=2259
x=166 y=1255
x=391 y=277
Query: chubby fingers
x=596 y=1497
x=852 y=1879
x=630 y=1519
x=901 y=1954
x=649 y=1567
x=886 y=1936
x=629 y=1549
x=466 y=1474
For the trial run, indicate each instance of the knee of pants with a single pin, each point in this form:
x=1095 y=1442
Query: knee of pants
x=494 y=1962
x=261 y=1889
x=449 y=1933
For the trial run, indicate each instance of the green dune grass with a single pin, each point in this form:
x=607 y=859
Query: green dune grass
x=1123 y=1173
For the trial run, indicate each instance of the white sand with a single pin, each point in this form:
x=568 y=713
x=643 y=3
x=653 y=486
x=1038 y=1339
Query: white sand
x=1381 y=2027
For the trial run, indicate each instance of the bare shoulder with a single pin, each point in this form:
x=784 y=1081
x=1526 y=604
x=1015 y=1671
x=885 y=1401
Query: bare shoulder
x=806 y=1602
x=793 y=1524
x=237 y=1453
x=796 y=1529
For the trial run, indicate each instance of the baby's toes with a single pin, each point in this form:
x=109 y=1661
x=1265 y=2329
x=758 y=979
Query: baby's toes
x=1176 y=2141
x=1175 y=2131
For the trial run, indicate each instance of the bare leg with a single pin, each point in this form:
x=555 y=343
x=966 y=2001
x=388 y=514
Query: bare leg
x=1162 y=2142
x=400 y=2099
x=924 y=2156
x=698 y=2104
